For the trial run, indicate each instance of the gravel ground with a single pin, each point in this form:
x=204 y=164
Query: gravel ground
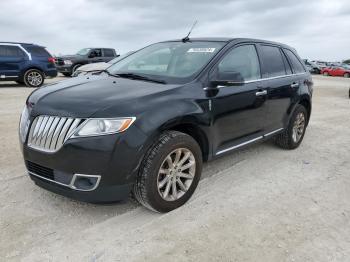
x=257 y=204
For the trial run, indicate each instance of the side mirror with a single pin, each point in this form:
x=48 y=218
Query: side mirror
x=226 y=78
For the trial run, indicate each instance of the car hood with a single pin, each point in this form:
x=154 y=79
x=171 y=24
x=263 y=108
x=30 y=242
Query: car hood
x=93 y=96
x=93 y=67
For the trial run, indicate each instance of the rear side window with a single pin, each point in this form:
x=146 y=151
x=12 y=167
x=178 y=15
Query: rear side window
x=37 y=51
x=243 y=60
x=108 y=52
x=10 y=51
x=295 y=62
x=272 y=61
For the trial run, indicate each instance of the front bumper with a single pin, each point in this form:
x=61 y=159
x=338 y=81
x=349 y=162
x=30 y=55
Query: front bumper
x=113 y=158
x=52 y=72
x=64 y=68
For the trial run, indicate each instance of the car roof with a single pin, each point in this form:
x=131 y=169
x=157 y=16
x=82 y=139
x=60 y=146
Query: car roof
x=24 y=44
x=228 y=40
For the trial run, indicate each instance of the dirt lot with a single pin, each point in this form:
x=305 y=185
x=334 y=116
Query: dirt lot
x=258 y=204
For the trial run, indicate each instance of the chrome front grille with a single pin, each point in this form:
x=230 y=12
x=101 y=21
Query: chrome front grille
x=48 y=133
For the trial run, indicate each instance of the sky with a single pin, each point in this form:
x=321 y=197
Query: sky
x=318 y=29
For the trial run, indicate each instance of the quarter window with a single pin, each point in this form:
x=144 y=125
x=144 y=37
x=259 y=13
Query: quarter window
x=272 y=61
x=10 y=51
x=242 y=60
x=295 y=62
x=108 y=52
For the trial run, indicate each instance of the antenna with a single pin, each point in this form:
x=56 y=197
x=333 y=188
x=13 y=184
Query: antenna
x=186 y=38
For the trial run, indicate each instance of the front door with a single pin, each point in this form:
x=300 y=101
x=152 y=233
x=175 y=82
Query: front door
x=238 y=110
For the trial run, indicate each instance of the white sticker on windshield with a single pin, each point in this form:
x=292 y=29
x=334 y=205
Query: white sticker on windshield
x=201 y=50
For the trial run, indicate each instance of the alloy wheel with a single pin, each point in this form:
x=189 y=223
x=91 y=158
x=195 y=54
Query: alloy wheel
x=298 y=127
x=34 y=78
x=176 y=174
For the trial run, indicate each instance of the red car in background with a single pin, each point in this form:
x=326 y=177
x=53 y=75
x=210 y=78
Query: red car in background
x=336 y=71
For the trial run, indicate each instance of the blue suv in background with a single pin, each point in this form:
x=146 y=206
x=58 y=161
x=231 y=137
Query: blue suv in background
x=27 y=64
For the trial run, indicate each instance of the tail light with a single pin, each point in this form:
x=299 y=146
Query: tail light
x=51 y=60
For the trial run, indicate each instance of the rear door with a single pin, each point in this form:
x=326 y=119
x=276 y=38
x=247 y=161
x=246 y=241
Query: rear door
x=108 y=54
x=281 y=86
x=12 y=59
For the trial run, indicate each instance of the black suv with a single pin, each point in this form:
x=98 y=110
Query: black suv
x=147 y=122
x=69 y=63
x=24 y=63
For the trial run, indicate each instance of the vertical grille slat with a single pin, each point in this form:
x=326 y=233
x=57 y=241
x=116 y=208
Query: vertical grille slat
x=45 y=132
x=64 y=132
x=49 y=133
x=56 y=133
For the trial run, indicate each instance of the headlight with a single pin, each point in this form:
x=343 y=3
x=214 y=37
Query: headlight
x=68 y=62
x=24 y=124
x=96 y=127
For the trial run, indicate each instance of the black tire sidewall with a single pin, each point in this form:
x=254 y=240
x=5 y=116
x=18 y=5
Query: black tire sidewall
x=155 y=200
x=299 y=109
x=26 y=75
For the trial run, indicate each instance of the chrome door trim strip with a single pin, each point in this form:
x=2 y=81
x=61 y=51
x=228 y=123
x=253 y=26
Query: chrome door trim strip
x=248 y=142
x=239 y=145
x=273 y=132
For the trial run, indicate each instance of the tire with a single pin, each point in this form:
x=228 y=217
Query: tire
x=75 y=67
x=347 y=75
x=67 y=74
x=154 y=170
x=325 y=73
x=287 y=139
x=34 y=78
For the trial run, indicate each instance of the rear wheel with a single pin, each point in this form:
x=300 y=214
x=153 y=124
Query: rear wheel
x=325 y=73
x=170 y=172
x=347 y=75
x=292 y=137
x=34 y=78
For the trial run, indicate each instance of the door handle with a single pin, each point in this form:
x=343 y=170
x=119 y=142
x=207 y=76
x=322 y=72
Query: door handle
x=261 y=93
x=294 y=85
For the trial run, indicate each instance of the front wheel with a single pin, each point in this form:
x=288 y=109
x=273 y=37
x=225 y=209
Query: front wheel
x=34 y=78
x=293 y=135
x=170 y=172
x=325 y=73
x=347 y=75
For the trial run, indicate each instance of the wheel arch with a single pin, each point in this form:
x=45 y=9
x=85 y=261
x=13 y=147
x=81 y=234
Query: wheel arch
x=30 y=68
x=194 y=131
x=304 y=101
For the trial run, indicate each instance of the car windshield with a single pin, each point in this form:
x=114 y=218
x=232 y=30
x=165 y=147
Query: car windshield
x=170 y=62
x=84 y=51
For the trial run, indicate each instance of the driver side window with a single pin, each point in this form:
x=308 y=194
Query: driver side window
x=242 y=61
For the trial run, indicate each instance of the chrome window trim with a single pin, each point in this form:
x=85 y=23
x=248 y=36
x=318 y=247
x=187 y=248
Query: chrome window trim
x=71 y=184
x=261 y=79
x=21 y=47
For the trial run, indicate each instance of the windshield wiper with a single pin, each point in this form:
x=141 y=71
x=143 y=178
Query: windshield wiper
x=139 y=77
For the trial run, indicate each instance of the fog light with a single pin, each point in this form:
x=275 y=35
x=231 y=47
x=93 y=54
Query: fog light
x=85 y=182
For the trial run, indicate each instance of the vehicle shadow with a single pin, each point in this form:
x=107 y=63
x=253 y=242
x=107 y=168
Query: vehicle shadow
x=118 y=208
